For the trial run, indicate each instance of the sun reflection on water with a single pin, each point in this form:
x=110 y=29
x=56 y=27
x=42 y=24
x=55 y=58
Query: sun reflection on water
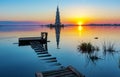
x=80 y=28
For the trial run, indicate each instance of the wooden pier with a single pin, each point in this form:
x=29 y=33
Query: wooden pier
x=39 y=44
x=64 y=72
x=43 y=54
x=27 y=40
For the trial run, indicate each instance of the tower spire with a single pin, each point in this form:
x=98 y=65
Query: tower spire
x=57 y=20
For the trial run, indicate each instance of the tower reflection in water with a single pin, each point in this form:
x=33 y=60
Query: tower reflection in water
x=57 y=32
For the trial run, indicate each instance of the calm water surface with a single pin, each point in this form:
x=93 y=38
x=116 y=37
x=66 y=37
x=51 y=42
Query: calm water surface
x=23 y=61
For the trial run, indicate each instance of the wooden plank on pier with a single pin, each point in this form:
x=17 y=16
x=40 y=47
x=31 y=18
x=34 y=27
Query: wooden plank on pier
x=26 y=40
x=30 y=38
x=64 y=72
x=39 y=75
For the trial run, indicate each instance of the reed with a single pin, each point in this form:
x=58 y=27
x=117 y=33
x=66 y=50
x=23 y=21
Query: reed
x=108 y=47
x=87 y=47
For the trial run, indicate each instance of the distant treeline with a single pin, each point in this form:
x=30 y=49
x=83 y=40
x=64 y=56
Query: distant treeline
x=18 y=23
x=103 y=25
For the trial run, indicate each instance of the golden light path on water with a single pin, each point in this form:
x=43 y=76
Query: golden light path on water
x=80 y=27
x=80 y=23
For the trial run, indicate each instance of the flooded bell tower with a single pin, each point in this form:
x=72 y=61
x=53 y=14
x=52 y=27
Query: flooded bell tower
x=57 y=20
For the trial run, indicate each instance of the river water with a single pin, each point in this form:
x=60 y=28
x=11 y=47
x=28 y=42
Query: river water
x=23 y=61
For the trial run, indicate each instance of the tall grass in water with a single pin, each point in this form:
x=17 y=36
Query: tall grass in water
x=87 y=47
x=111 y=47
x=108 y=47
x=104 y=47
x=90 y=51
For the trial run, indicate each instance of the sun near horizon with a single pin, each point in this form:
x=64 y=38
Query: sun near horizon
x=80 y=23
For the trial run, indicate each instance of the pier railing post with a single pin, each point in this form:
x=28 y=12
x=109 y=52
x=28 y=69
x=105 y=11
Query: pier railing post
x=44 y=35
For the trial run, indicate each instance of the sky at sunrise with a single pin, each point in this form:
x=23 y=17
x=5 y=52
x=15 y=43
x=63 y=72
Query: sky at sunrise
x=71 y=11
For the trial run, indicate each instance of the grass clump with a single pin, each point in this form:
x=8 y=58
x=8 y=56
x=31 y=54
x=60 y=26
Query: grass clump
x=87 y=47
x=110 y=47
